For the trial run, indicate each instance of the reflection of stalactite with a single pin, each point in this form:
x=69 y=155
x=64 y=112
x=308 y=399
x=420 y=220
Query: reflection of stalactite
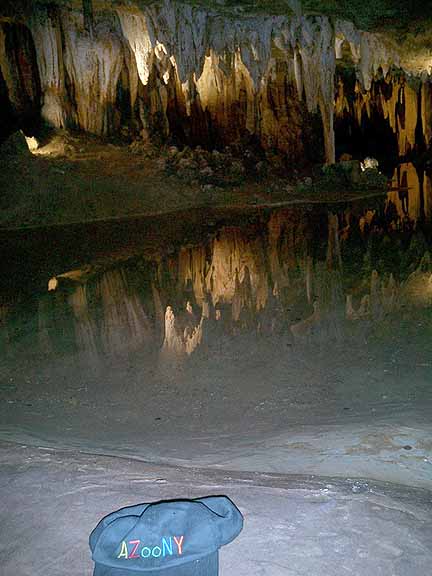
x=427 y=196
x=305 y=328
x=238 y=281
x=193 y=268
x=334 y=257
x=363 y=310
x=86 y=333
x=178 y=344
x=309 y=268
x=406 y=192
x=173 y=342
x=159 y=312
x=417 y=289
x=384 y=295
x=389 y=294
x=4 y=332
x=375 y=295
x=44 y=313
x=124 y=323
x=234 y=272
x=242 y=302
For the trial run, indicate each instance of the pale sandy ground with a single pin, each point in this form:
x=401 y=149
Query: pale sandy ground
x=336 y=410
x=294 y=525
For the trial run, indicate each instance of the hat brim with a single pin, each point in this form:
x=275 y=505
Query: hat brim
x=206 y=566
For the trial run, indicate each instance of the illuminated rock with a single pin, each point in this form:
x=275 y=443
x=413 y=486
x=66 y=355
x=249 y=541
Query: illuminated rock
x=173 y=341
x=177 y=344
x=52 y=284
x=203 y=77
x=47 y=34
x=417 y=288
x=369 y=164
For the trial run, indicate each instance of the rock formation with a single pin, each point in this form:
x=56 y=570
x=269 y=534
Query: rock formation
x=197 y=75
x=20 y=90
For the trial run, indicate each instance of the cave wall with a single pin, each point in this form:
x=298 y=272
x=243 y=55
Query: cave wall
x=200 y=77
x=393 y=117
x=20 y=90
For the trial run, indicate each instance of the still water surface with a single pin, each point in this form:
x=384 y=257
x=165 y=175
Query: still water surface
x=177 y=283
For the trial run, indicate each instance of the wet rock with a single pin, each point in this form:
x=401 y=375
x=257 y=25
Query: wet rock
x=185 y=153
x=206 y=172
x=173 y=151
x=360 y=487
x=369 y=164
x=207 y=188
x=216 y=156
x=161 y=163
x=237 y=168
x=140 y=147
x=14 y=146
x=187 y=164
x=145 y=135
x=32 y=143
x=351 y=169
x=261 y=168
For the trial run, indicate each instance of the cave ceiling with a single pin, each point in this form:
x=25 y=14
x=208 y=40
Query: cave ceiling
x=174 y=67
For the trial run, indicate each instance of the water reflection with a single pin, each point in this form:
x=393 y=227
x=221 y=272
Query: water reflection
x=410 y=196
x=301 y=273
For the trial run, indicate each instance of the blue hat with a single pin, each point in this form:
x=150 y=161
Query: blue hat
x=178 y=538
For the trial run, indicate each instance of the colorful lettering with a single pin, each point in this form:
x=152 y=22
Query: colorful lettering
x=123 y=551
x=167 y=546
x=145 y=552
x=179 y=544
x=165 y=549
x=156 y=551
x=136 y=543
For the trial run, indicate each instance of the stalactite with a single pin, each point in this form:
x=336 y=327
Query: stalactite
x=394 y=99
x=213 y=63
x=426 y=110
x=88 y=14
x=408 y=121
x=93 y=64
x=46 y=30
x=211 y=79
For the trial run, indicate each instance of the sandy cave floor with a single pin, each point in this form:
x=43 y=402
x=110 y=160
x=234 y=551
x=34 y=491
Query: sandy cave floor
x=331 y=465
x=293 y=525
